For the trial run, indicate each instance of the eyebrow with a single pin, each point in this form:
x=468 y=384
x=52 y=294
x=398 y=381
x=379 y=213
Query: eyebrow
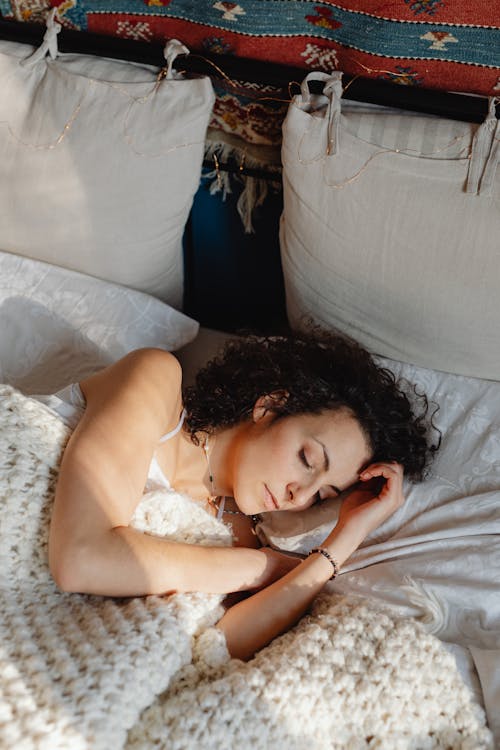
x=327 y=464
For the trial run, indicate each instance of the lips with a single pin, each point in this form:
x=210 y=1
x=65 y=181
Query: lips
x=269 y=500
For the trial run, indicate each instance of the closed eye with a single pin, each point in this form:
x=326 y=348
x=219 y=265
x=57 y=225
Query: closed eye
x=303 y=458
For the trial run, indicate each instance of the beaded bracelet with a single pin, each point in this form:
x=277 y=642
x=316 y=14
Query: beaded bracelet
x=325 y=553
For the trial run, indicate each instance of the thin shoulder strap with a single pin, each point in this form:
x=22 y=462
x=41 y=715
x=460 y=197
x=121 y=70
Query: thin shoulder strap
x=176 y=429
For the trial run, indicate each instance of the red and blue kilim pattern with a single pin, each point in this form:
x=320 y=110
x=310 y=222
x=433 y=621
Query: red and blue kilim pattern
x=442 y=44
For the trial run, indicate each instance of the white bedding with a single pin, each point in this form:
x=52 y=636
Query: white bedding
x=438 y=558
x=79 y=671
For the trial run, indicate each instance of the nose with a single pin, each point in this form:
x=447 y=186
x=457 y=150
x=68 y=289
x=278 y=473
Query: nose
x=299 y=495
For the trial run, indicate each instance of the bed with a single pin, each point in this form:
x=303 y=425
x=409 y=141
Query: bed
x=387 y=228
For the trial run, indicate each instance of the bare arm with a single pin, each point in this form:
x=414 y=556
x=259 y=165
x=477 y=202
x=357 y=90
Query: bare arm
x=253 y=623
x=92 y=549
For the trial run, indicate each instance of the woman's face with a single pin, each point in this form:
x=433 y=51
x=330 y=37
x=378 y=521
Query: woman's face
x=289 y=463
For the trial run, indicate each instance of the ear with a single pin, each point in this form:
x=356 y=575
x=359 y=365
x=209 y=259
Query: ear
x=267 y=405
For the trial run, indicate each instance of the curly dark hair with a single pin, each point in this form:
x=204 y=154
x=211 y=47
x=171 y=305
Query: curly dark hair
x=319 y=371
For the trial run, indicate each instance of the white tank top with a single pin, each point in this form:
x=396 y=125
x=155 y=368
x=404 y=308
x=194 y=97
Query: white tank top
x=69 y=405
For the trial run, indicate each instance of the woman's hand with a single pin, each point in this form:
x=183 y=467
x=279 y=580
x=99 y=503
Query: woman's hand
x=378 y=495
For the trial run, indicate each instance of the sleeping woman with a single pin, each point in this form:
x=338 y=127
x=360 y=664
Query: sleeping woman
x=274 y=423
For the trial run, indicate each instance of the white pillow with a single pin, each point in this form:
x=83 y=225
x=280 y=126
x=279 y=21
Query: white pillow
x=379 y=237
x=99 y=163
x=59 y=326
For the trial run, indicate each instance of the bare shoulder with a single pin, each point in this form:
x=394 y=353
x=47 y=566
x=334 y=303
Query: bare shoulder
x=145 y=380
x=148 y=363
x=152 y=357
x=140 y=366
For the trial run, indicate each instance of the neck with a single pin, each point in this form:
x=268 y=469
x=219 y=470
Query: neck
x=222 y=457
x=191 y=473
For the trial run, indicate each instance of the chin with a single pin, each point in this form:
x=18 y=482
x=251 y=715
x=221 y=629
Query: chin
x=248 y=506
x=248 y=509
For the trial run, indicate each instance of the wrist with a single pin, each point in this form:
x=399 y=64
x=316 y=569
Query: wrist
x=340 y=544
x=323 y=552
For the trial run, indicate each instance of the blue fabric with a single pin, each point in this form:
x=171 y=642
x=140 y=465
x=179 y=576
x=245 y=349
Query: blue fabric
x=233 y=280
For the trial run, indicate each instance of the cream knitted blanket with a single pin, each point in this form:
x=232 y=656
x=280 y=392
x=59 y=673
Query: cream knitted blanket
x=81 y=671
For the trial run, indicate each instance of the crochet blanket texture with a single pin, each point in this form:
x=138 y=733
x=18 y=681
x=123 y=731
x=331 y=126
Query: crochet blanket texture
x=85 y=672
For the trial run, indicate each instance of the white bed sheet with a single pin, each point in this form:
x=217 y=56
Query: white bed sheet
x=437 y=558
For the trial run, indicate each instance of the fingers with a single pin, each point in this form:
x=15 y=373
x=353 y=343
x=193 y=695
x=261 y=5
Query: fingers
x=386 y=469
x=392 y=474
x=378 y=495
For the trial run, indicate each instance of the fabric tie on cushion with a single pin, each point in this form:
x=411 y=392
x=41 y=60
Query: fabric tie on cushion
x=487 y=180
x=333 y=90
x=482 y=160
x=49 y=43
x=172 y=49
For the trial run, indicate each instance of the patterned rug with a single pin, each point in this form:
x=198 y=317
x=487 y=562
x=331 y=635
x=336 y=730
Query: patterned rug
x=441 y=44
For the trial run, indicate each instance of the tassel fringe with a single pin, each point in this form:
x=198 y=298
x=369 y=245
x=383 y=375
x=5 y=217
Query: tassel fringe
x=255 y=189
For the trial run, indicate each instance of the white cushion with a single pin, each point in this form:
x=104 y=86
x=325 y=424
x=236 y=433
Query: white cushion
x=99 y=165
x=59 y=326
x=387 y=245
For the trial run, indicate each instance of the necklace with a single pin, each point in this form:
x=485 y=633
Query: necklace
x=206 y=451
x=215 y=500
